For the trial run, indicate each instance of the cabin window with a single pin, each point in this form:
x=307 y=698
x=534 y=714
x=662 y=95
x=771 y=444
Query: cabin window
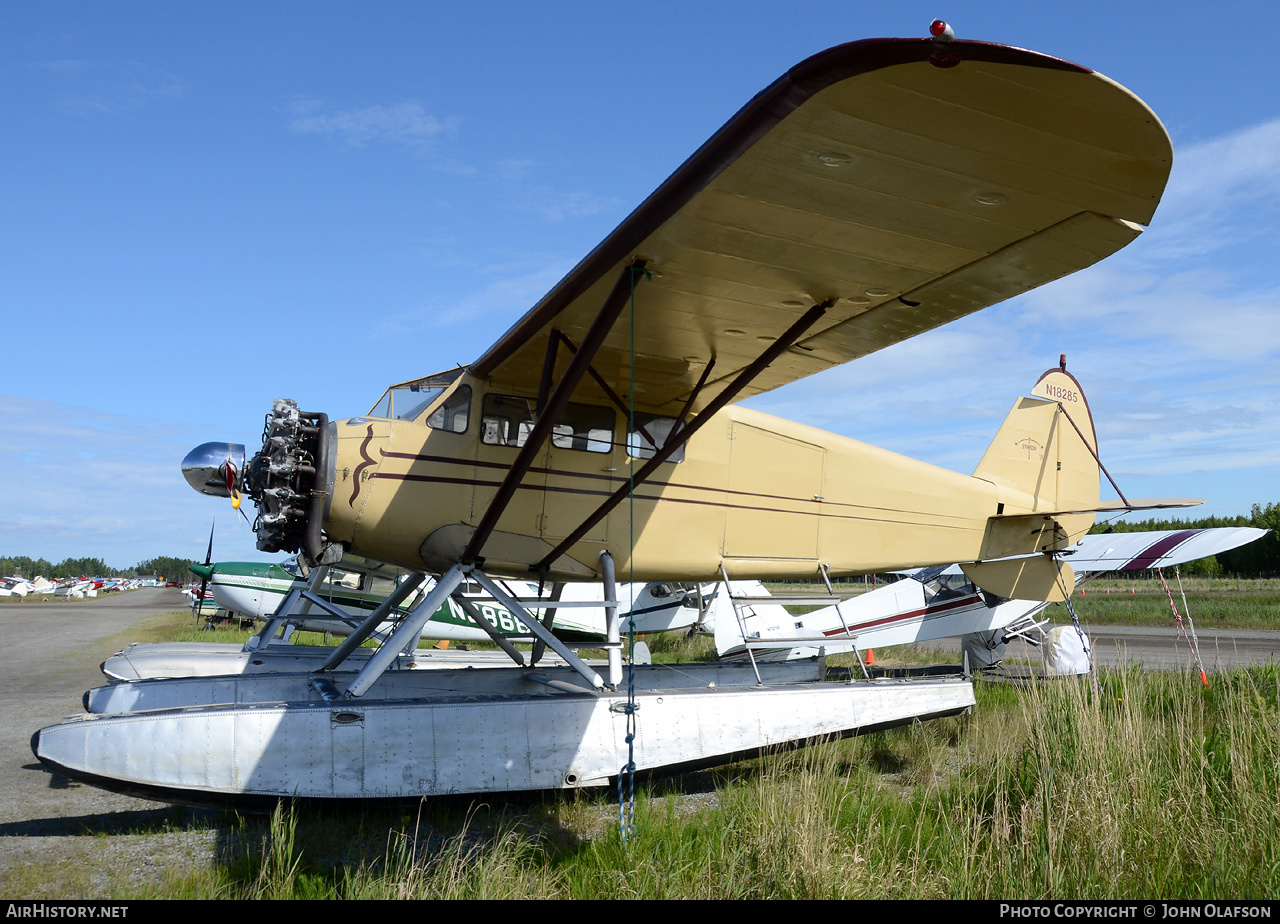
x=648 y=429
x=584 y=427
x=382 y=586
x=453 y=414
x=508 y=421
x=347 y=580
x=947 y=587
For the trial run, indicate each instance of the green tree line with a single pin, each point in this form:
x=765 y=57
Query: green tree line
x=170 y=569
x=1260 y=557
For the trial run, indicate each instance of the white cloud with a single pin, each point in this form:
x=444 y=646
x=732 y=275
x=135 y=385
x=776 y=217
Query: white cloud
x=1218 y=173
x=495 y=305
x=1222 y=193
x=557 y=206
x=83 y=483
x=94 y=88
x=406 y=123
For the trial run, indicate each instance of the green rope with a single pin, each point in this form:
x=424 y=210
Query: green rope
x=627 y=776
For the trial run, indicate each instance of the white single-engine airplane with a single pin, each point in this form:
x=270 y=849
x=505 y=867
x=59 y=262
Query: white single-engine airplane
x=875 y=191
x=939 y=602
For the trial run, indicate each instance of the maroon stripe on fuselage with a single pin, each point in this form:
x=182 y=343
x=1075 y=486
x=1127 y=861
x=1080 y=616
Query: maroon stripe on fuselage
x=928 y=613
x=1154 y=551
x=816 y=510
x=615 y=481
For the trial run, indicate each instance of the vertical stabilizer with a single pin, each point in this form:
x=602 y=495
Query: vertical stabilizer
x=1042 y=461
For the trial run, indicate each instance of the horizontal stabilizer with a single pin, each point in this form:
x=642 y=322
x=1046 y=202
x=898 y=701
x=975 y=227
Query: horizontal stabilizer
x=1158 y=548
x=1012 y=534
x=1039 y=577
x=1115 y=506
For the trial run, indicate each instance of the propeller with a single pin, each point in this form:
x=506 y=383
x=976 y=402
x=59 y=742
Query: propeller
x=205 y=572
x=229 y=476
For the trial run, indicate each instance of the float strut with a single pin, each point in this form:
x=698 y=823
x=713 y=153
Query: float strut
x=613 y=636
x=373 y=620
x=409 y=628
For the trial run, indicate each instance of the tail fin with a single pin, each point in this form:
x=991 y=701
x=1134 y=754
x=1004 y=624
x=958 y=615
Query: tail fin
x=1044 y=465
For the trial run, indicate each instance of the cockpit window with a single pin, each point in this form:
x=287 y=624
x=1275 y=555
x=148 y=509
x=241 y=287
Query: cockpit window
x=454 y=413
x=407 y=400
x=947 y=586
x=409 y=403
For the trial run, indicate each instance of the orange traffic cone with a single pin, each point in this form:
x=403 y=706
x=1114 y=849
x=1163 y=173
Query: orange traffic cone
x=871 y=656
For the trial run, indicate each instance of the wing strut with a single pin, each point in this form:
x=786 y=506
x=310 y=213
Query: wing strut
x=555 y=404
x=604 y=386
x=676 y=440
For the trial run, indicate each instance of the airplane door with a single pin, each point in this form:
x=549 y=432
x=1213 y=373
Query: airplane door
x=773 y=499
x=582 y=470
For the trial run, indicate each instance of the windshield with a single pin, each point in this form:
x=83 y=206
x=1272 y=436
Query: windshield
x=408 y=400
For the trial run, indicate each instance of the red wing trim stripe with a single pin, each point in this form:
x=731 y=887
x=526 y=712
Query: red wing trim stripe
x=1158 y=550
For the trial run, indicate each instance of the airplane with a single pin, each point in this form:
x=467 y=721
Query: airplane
x=875 y=191
x=77 y=588
x=14 y=587
x=356 y=585
x=256 y=590
x=938 y=602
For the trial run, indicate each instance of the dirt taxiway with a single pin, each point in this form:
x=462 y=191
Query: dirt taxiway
x=50 y=656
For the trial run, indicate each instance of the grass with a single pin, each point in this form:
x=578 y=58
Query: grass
x=1211 y=602
x=1157 y=787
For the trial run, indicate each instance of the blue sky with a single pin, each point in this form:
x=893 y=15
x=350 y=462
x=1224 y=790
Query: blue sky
x=204 y=207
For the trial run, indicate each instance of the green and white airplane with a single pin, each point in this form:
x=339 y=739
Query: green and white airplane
x=355 y=587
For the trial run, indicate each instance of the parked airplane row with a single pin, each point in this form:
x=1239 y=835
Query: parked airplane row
x=72 y=588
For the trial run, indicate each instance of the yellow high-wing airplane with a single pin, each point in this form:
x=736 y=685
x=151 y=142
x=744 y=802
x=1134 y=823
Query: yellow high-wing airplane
x=875 y=191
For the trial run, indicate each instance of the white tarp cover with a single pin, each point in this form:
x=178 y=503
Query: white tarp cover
x=1064 y=652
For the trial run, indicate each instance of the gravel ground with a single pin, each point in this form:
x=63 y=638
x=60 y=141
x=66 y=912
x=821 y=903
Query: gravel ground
x=51 y=655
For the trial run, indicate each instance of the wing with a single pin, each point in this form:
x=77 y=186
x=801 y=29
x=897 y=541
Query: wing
x=910 y=182
x=1157 y=549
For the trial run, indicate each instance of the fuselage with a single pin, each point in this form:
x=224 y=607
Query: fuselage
x=767 y=497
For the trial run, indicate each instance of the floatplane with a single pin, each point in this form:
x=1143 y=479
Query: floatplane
x=874 y=191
